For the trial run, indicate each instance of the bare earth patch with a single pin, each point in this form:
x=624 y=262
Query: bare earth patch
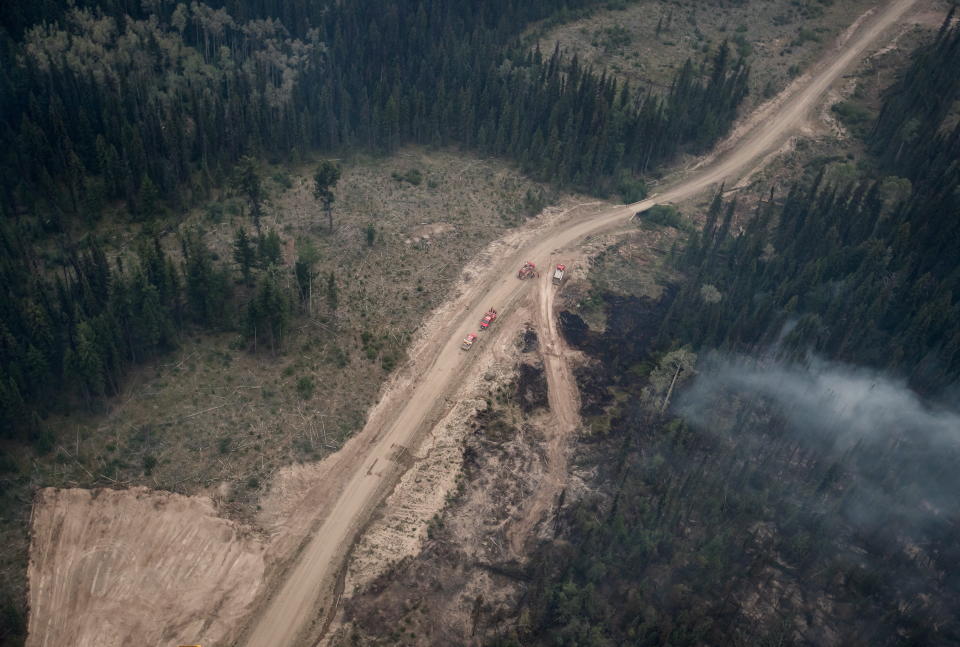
x=163 y=559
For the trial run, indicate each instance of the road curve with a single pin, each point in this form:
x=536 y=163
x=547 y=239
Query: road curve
x=291 y=615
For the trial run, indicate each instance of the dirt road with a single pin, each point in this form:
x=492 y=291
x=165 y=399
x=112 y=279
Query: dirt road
x=294 y=613
x=564 y=399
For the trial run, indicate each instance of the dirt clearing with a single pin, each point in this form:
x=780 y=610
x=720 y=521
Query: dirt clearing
x=464 y=565
x=135 y=589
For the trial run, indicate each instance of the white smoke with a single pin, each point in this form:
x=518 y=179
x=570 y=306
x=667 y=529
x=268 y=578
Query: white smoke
x=845 y=403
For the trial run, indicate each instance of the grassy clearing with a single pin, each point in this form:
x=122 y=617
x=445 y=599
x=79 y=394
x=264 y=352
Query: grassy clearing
x=646 y=42
x=635 y=265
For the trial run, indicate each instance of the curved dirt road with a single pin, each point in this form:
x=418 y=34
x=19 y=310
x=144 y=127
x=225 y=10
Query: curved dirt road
x=294 y=612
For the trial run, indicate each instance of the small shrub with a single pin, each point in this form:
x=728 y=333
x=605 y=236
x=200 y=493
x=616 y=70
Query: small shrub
x=534 y=201
x=337 y=357
x=149 y=462
x=305 y=387
x=215 y=213
x=388 y=362
x=283 y=179
x=744 y=47
x=665 y=215
x=414 y=176
x=851 y=113
x=631 y=189
x=805 y=35
x=612 y=39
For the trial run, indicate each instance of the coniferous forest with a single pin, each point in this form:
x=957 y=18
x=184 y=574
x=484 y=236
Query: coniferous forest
x=144 y=108
x=766 y=508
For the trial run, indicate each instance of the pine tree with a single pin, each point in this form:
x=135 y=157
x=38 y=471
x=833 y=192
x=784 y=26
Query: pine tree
x=247 y=181
x=148 y=199
x=244 y=254
x=324 y=180
x=269 y=249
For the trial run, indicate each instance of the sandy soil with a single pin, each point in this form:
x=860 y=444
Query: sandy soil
x=400 y=528
x=333 y=502
x=106 y=592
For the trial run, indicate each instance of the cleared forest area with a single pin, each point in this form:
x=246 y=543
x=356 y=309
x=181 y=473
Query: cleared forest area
x=218 y=417
x=646 y=42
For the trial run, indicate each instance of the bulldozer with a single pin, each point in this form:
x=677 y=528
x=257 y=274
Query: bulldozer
x=528 y=271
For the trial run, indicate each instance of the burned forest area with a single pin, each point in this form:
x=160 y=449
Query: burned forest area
x=799 y=488
x=498 y=323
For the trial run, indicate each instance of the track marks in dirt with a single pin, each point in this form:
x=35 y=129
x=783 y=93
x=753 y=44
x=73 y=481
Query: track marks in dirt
x=74 y=542
x=563 y=420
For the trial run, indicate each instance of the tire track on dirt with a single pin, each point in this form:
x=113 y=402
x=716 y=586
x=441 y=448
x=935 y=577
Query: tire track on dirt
x=564 y=399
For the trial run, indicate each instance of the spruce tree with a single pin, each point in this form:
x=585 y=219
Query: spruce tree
x=244 y=254
x=324 y=180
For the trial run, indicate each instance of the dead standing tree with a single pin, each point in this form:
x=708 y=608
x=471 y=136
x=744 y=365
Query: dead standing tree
x=673 y=368
x=324 y=180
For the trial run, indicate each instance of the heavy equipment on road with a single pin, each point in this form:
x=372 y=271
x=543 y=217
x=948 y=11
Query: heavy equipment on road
x=468 y=341
x=528 y=271
x=488 y=319
x=558 y=274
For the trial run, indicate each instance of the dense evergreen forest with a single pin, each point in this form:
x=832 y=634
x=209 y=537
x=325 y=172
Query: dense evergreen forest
x=804 y=494
x=105 y=104
x=137 y=109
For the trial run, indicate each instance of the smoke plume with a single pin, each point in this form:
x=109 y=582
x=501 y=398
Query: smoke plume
x=900 y=452
x=846 y=403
